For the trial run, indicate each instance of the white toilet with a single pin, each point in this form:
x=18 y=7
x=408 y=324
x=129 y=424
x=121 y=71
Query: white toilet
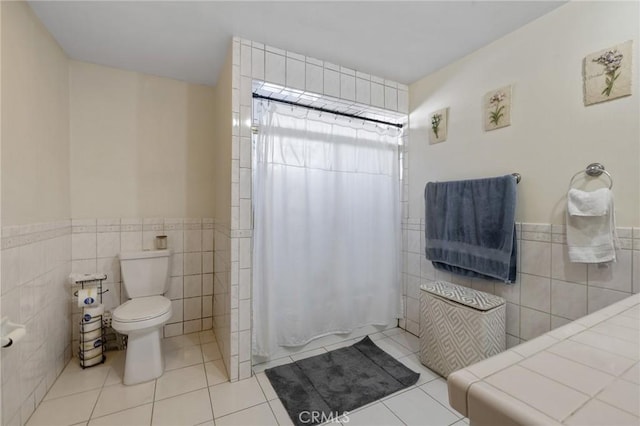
x=146 y=278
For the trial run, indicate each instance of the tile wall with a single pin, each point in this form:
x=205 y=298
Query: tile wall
x=95 y=244
x=36 y=261
x=222 y=297
x=549 y=291
x=255 y=61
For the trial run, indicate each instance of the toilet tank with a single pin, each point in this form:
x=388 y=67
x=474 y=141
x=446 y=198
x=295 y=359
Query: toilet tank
x=145 y=273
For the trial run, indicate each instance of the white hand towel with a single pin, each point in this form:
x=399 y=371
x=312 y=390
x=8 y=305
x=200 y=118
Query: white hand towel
x=591 y=230
x=594 y=203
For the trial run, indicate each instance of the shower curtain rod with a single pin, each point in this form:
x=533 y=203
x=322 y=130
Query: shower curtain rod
x=343 y=114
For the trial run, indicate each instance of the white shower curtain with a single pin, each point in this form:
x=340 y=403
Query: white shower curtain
x=326 y=229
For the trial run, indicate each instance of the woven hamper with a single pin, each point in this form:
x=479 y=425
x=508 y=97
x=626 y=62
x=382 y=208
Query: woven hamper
x=459 y=326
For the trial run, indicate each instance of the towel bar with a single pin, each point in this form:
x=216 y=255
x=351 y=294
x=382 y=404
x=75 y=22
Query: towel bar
x=593 y=170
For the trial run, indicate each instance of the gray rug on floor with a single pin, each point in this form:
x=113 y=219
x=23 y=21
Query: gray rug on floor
x=321 y=388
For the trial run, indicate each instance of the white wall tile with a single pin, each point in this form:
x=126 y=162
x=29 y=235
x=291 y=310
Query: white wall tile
x=536 y=258
x=108 y=244
x=598 y=298
x=245 y=60
x=314 y=78
x=207 y=262
x=207 y=284
x=348 y=87
x=614 y=275
x=193 y=263
x=636 y=271
x=192 y=308
x=512 y=319
x=131 y=241
x=176 y=288
x=391 y=98
x=535 y=292
x=331 y=83
x=83 y=247
x=533 y=323
x=192 y=286
x=295 y=74
x=177 y=262
x=274 y=71
x=207 y=306
x=568 y=300
x=244 y=314
x=177 y=312
x=403 y=101
x=377 y=94
x=563 y=269
x=257 y=64
x=192 y=241
x=363 y=91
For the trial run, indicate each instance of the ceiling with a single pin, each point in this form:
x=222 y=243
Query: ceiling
x=185 y=40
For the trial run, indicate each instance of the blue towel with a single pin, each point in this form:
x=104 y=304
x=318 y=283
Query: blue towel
x=470 y=227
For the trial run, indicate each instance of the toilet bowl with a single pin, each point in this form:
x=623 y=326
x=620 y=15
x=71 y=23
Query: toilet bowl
x=145 y=277
x=142 y=320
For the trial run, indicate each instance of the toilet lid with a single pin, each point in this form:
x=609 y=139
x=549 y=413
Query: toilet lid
x=142 y=308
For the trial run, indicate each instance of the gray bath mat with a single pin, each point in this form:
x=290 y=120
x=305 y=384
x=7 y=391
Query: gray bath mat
x=321 y=388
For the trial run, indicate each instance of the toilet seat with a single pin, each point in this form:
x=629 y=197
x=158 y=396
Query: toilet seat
x=141 y=313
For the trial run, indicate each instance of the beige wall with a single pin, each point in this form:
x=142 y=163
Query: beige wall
x=553 y=135
x=141 y=145
x=35 y=120
x=223 y=134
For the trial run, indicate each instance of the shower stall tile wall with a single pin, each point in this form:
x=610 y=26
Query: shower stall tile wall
x=255 y=61
x=36 y=262
x=95 y=244
x=549 y=292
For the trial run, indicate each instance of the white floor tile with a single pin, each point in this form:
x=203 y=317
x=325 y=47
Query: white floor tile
x=270 y=364
x=207 y=336
x=67 y=410
x=265 y=384
x=228 y=398
x=438 y=390
x=182 y=357
x=216 y=372
x=308 y=354
x=120 y=397
x=413 y=362
x=282 y=417
x=77 y=381
x=341 y=345
x=393 y=331
x=137 y=416
x=407 y=340
x=375 y=415
x=211 y=352
x=188 y=409
x=255 y=416
x=417 y=408
x=175 y=342
x=182 y=380
x=393 y=348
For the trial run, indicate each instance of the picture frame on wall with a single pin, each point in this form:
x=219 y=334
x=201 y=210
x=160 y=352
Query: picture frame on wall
x=497 y=108
x=438 y=121
x=607 y=73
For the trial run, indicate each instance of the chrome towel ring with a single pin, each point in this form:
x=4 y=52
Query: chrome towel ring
x=593 y=170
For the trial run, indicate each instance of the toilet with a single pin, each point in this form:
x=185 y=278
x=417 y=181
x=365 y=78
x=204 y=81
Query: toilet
x=145 y=275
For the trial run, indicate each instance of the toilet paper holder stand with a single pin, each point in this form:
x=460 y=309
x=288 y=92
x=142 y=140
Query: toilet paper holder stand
x=90 y=356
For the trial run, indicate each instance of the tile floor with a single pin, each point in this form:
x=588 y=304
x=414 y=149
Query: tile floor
x=194 y=391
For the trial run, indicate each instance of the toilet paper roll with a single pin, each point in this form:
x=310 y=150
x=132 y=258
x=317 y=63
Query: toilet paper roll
x=93 y=361
x=91 y=313
x=87 y=296
x=91 y=335
x=89 y=345
x=90 y=353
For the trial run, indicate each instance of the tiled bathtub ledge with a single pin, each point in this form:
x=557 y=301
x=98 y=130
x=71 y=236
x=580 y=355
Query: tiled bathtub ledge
x=586 y=372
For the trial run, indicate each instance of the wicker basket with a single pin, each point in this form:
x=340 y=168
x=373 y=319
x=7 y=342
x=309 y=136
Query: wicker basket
x=459 y=326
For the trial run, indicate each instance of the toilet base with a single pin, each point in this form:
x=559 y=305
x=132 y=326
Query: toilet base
x=144 y=357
